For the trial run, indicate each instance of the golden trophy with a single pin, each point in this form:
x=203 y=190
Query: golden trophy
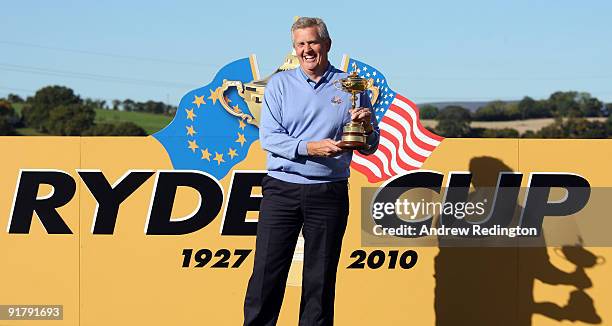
x=353 y=133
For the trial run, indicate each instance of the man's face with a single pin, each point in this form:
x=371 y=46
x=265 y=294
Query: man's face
x=310 y=49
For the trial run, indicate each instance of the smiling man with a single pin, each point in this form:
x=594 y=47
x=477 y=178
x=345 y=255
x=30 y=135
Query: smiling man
x=307 y=183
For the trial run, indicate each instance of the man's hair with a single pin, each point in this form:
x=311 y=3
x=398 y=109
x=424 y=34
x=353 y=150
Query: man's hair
x=305 y=22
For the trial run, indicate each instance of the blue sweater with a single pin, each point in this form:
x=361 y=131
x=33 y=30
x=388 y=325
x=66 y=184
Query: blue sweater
x=297 y=110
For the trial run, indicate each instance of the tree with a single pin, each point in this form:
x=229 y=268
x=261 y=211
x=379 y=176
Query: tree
x=497 y=111
x=500 y=133
x=6 y=108
x=38 y=108
x=564 y=104
x=596 y=130
x=129 y=105
x=608 y=109
x=526 y=105
x=454 y=121
x=8 y=114
x=530 y=134
x=100 y=129
x=148 y=106
x=574 y=128
x=116 y=104
x=171 y=110
x=70 y=120
x=129 y=129
x=154 y=107
x=428 y=111
x=139 y=107
x=532 y=109
x=8 y=118
x=14 y=98
x=512 y=111
x=6 y=128
x=120 y=129
x=582 y=128
x=95 y=103
x=554 y=130
x=589 y=106
x=492 y=111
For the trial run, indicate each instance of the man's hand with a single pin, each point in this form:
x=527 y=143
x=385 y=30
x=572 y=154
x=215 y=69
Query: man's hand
x=361 y=115
x=324 y=148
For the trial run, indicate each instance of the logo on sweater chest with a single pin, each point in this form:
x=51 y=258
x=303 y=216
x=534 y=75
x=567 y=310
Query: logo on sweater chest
x=336 y=100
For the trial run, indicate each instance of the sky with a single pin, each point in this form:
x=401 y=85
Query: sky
x=430 y=51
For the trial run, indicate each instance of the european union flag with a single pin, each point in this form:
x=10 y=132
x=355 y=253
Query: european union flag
x=203 y=135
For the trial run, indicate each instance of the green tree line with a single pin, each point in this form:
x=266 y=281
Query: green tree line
x=454 y=121
x=57 y=110
x=559 y=104
x=570 y=110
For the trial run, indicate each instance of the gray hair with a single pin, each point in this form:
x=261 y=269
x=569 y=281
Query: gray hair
x=305 y=22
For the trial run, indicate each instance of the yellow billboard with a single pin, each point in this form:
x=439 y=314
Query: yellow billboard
x=119 y=271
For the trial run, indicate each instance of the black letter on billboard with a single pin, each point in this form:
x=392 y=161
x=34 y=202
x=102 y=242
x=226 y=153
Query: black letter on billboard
x=240 y=202
x=211 y=195
x=457 y=191
x=537 y=205
x=110 y=197
x=26 y=201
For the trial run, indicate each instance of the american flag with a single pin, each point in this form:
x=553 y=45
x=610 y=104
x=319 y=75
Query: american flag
x=404 y=143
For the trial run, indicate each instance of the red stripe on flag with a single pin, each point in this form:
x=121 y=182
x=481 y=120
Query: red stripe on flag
x=404 y=165
x=376 y=161
x=404 y=133
x=416 y=109
x=413 y=136
x=387 y=154
x=372 y=178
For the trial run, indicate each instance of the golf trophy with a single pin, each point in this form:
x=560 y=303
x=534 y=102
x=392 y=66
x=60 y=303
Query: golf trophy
x=353 y=133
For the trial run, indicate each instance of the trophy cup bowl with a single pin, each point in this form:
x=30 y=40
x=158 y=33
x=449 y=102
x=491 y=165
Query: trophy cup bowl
x=353 y=133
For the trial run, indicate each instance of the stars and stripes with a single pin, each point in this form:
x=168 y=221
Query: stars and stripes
x=404 y=143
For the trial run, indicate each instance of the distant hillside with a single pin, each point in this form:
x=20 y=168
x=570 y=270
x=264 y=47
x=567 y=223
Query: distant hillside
x=150 y=122
x=472 y=106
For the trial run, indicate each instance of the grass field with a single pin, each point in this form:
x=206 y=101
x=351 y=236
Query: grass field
x=151 y=123
x=148 y=121
x=520 y=125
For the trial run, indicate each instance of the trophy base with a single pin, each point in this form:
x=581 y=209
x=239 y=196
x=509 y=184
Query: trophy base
x=352 y=145
x=353 y=137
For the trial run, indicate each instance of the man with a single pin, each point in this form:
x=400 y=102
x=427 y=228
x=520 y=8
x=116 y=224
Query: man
x=306 y=187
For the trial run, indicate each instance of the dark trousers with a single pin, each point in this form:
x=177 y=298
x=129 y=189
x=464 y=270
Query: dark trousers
x=321 y=211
